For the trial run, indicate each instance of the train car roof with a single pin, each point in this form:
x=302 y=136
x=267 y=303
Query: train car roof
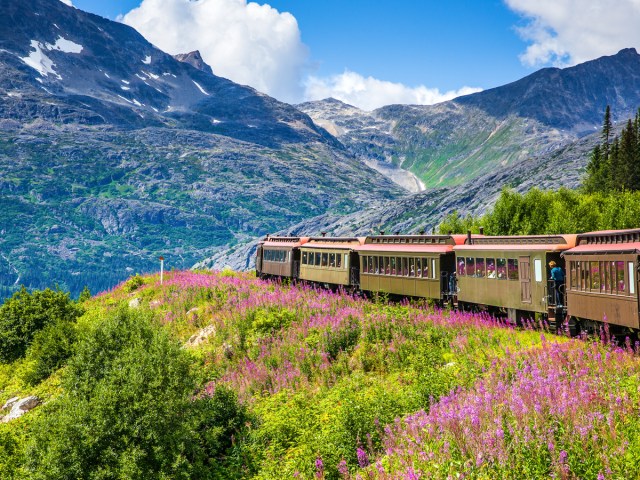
x=346 y=243
x=288 y=242
x=548 y=243
x=391 y=248
x=609 y=237
x=456 y=239
x=628 y=247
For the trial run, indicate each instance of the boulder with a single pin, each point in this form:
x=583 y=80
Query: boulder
x=134 y=303
x=10 y=402
x=21 y=407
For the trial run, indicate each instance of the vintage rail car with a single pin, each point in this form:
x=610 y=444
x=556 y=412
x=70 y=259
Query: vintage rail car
x=279 y=257
x=331 y=261
x=602 y=278
x=510 y=274
x=408 y=265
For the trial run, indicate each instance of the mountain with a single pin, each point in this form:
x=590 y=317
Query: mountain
x=424 y=211
x=457 y=141
x=113 y=152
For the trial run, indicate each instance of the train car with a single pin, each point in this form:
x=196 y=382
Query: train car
x=510 y=274
x=602 y=279
x=279 y=257
x=330 y=261
x=408 y=265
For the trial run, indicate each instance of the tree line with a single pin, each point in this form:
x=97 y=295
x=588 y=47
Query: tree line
x=615 y=162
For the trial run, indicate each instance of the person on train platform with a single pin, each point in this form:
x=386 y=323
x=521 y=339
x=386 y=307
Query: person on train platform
x=557 y=275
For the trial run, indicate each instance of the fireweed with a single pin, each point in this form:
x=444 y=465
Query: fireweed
x=497 y=402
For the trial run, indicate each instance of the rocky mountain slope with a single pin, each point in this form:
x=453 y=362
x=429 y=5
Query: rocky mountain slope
x=425 y=210
x=453 y=142
x=113 y=153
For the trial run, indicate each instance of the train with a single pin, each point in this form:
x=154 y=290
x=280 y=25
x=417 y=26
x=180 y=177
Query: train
x=507 y=276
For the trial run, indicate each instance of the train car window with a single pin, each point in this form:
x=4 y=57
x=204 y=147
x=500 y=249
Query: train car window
x=461 y=267
x=632 y=280
x=338 y=260
x=573 y=278
x=512 y=263
x=418 y=267
x=605 y=267
x=603 y=277
x=491 y=268
x=317 y=261
x=375 y=265
x=393 y=265
x=370 y=263
x=501 y=268
x=595 y=276
x=325 y=259
x=471 y=267
x=365 y=264
x=381 y=265
x=433 y=268
x=537 y=269
x=425 y=268
x=620 y=278
x=584 y=276
x=332 y=260
x=398 y=266
x=405 y=268
x=346 y=260
x=480 y=267
x=304 y=258
x=387 y=268
x=412 y=267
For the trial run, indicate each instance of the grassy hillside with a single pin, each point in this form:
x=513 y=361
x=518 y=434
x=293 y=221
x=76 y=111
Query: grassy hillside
x=221 y=375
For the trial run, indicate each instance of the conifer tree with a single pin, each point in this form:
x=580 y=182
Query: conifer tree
x=606 y=132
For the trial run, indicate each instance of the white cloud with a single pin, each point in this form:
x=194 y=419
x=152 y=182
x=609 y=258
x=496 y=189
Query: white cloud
x=567 y=32
x=248 y=43
x=258 y=46
x=369 y=93
x=68 y=2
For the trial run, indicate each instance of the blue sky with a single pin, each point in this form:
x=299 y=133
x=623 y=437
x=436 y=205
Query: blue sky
x=371 y=53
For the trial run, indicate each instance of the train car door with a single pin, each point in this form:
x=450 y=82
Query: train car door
x=259 y=261
x=524 y=271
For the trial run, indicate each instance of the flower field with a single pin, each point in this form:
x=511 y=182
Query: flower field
x=335 y=386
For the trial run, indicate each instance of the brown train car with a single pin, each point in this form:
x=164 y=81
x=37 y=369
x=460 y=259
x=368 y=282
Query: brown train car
x=408 y=265
x=279 y=257
x=510 y=273
x=330 y=261
x=602 y=278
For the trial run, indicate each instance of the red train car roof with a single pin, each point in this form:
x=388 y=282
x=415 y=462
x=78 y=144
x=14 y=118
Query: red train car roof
x=630 y=247
x=549 y=243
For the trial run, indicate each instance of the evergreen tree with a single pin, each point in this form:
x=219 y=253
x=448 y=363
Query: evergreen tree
x=606 y=132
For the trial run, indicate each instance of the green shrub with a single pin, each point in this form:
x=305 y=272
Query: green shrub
x=50 y=349
x=133 y=283
x=128 y=410
x=25 y=313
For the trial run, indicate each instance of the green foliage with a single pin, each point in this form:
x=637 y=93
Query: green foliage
x=50 y=349
x=268 y=321
x=454 y=223
x=85 y=295
x=134 y=283
x=12 y=453
x=128 y=410
x=615 y=163
x=540 y=212
x=25 y=313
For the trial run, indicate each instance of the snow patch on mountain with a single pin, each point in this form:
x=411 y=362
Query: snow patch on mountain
x=200 y=88
x=39 y=61
x=147 y=60
x=64 y=45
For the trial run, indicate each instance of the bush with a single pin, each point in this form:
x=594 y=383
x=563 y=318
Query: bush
x=128 y=410
x=25 y=313
x=50 y=349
